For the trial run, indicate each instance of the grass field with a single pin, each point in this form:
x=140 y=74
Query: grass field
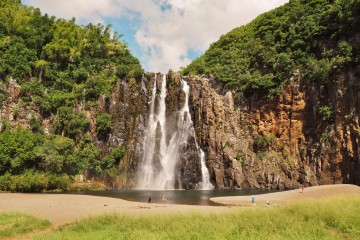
x=336 y=218
x=14 y=224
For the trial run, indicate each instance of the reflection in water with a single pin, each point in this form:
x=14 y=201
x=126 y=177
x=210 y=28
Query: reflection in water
x=190 y=197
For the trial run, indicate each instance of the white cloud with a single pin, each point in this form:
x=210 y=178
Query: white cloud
x=166 y=36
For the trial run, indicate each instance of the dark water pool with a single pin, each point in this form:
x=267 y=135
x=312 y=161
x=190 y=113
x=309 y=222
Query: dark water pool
x=190 y=197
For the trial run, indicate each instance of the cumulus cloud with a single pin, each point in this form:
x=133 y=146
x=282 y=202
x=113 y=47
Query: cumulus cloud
x=168 y=29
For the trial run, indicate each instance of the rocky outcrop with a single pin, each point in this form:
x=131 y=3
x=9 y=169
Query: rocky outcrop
x=12 y=109
x=283 y=142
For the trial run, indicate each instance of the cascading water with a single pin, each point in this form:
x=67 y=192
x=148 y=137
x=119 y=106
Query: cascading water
x=149 y=145
x=158 y=169
x=189 y=130
x=149 y=176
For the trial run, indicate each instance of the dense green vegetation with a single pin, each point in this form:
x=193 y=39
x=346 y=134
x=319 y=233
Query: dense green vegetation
x=103 y=125
x=14 y=224
x=316 y=39
x=61 y=68
x=325 y=219
x=56 y=160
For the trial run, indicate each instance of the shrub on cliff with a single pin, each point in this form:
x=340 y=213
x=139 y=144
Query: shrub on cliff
x=110 y=162
x=326 y=114
x=103 y=125
x=70 y=123
x=263 y=142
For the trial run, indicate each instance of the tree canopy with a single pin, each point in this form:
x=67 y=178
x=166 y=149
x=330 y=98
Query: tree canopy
x=316 y=38
x=58 y=65
x=69 y=61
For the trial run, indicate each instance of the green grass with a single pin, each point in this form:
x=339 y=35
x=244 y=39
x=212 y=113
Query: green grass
x=14 y=224
x=325 y=219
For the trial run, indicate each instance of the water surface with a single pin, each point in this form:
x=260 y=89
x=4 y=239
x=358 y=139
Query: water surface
x=189 y=197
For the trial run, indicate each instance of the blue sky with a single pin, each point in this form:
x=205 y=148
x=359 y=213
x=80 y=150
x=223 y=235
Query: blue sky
x=162 y=34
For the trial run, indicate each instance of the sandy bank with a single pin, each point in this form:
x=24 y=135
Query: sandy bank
x=66 y=208
x=316 y=192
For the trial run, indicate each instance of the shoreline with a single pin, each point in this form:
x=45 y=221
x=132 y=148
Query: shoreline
x=284 y=197
x=60 y=209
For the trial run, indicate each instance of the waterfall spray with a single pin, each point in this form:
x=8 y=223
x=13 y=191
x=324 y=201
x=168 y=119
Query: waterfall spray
x=158 y=168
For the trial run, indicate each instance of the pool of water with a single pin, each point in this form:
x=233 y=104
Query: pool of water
x=189 y=197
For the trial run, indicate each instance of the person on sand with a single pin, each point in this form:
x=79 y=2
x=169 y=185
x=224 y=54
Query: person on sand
x=302 y=188
x=253 y=200
x=149 y=200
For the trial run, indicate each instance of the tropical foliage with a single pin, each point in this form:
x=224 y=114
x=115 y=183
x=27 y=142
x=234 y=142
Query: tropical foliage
x=59 y=66
x=313 y=38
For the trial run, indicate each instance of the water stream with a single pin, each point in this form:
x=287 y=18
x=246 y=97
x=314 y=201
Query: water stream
x=185 y=119
x=160 y=158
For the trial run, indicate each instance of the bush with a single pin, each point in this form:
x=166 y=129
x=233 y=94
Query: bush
x=56 y=155
x=35 y=125
x=70 y=123
x=16 y=59
x=93 y=88
x=5 y=182
x=30 y=181
x=326 y=114
x=103 y=126
x=110 y=162
x=262 y=143
x=58 y=182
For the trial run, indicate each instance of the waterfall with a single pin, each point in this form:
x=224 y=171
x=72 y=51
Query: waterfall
x=158 y=168
x=185 y=120
x=155 y=172
x=146 y=169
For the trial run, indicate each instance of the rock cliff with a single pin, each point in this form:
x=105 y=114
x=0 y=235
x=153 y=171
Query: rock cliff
x=248 y=142
x=279 y=143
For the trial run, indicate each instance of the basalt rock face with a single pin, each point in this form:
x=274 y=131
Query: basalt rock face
x=280 y=143
x=248 y=142
x=126 y=106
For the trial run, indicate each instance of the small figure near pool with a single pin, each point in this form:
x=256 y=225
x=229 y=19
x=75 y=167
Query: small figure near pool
x=253 y=200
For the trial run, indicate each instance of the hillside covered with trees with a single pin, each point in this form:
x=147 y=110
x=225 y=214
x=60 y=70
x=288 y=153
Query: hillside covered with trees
x=315 y=38
x=60 y=67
